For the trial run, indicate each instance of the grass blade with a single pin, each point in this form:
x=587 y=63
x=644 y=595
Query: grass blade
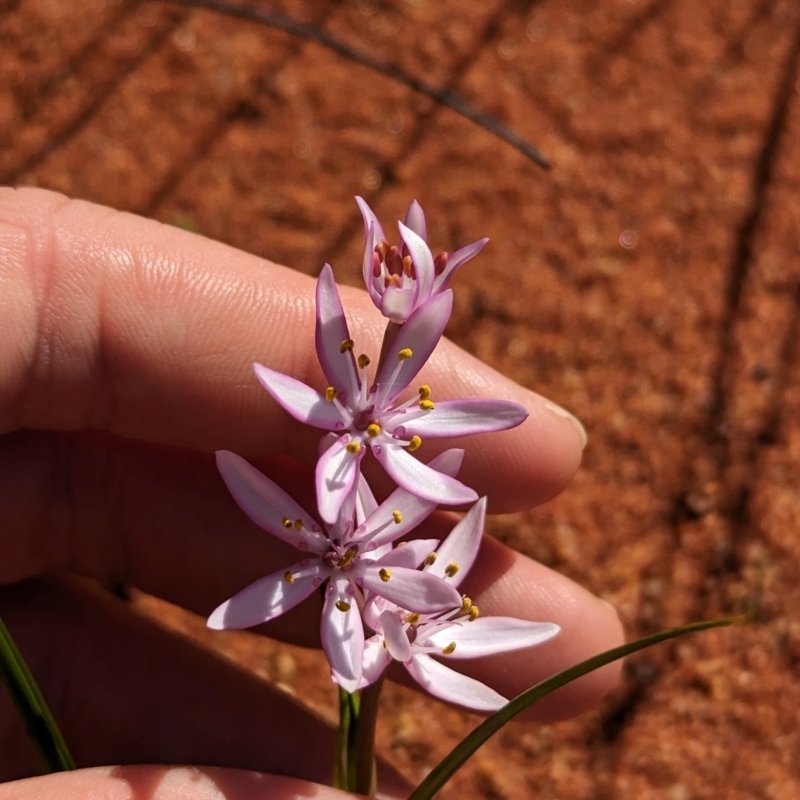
x=454 y=760
x=31 y=705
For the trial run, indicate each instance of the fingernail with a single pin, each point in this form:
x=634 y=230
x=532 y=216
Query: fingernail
x=611 y=608
x=562 y=412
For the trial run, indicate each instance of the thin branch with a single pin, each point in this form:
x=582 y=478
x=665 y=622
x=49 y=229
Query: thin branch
x=312 y=33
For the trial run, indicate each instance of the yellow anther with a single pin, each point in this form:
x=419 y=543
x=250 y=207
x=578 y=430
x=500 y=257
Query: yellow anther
x=466 y=605
x=363 y=361
x=397 y=516
x=451 y=569
x=412 y=619
x=286 y=522
x=288 y=577
x=298 y=524
x=346 y=558
x=384 y=574
x=451 y=648
x=424 y=391
x=430 y=559
x=353 y=447
x=405 y=353
x=474 y=613
x=330 y=394
x=342 y=605
x=415 y=443
x=427 y=405
x=346 y=345
x=373 y=429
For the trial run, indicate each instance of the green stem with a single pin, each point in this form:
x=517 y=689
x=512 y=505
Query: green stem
x=31 y=705
x=352 y=753
x=364 y=746
x=344 y=768
x=342 y=737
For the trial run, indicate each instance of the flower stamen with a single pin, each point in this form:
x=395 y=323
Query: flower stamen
x=346 y=345
x=451 y=569
x=373 y=430
x=397 y=516
x=342 y=605
x=353 y=447
x=345 y=560
x=288 y=577
x=451 y=648
x=384 y=574
x=415 y=443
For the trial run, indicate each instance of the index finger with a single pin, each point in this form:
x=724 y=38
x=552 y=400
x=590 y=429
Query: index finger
x=120 y=323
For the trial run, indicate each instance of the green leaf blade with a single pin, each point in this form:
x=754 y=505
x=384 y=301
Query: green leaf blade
x=458 y=756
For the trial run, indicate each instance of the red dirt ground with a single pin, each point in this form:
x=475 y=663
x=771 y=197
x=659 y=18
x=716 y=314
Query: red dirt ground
x=650 y=283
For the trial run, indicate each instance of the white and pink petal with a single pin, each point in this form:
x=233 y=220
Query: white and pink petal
x=408 y=554
x=268 y=505
x=266 y=598
x=487 y=636
x=301 y=401
x=420 y=334
x=420 y=479
x=415 y=219
x=452 y=686
x=342 y=634
x=455 y=260
x=395 y=636
x=423 y=263
x=451 y=418
x=457 y=552
x=336 y=475
x=408 y=588
x=330 y=332
x=382 y=526
x=376 y=659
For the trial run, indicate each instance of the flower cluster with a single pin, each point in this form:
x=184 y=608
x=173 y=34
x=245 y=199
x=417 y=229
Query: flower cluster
x=383 y=600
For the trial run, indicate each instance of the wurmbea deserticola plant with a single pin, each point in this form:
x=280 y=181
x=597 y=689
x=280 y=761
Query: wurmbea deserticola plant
x=386 y=597
x=383 y=601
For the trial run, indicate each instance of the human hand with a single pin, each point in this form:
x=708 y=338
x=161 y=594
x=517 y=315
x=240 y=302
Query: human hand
x=126 y=361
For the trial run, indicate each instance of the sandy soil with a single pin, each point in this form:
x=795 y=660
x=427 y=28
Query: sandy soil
x=650 y=283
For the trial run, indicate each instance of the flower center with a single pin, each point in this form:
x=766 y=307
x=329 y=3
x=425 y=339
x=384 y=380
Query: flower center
x=343 y=559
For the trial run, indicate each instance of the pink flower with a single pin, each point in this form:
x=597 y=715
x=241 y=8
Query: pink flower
x=417 y=640
x=401 y=279
x=374 y=418
x=352 y=559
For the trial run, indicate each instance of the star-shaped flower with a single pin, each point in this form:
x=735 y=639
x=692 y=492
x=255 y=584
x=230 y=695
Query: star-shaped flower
x=401 y=279
x=373 y=417
x=353 y=558
x=417 y=639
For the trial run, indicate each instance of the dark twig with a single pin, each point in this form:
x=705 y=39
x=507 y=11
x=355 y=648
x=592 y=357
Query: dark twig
x=312 y=33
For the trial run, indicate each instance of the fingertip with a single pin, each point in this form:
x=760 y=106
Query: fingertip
x=157 y=782
x=508 y=584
